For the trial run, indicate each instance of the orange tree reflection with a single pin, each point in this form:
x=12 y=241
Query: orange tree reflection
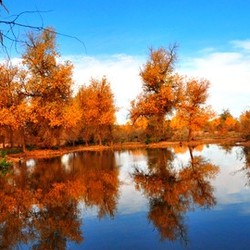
x=40 y=205
x=100 y=178
x=174 y=190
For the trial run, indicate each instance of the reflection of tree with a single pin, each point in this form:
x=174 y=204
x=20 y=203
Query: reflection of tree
x=39 y=206
x=245 y=154
x=56 y=220
x=101 y=181
x=173 y=192
x=14 y=214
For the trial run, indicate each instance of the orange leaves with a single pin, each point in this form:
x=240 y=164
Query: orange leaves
x=157 y=68
x=71 y=115
x=7 y=117
x=245 y=123
x=192 y=112
x=230 y=122
x=96 y=102
x=159 y=85
x=224 y=123
x=165 y=91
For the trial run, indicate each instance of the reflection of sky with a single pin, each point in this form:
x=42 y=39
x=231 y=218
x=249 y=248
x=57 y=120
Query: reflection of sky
x=130 y=201
x=230 y=183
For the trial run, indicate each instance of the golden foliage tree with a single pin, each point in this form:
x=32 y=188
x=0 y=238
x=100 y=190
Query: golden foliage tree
x=245 y=124
x=97 y=106
x=14 y=111
x=160 y=88
x=192 y=112
x=48 y=86
x=224 y=123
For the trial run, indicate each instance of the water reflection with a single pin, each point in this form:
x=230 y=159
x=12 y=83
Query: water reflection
x=45 y=204
x=39 y=205
x=245 y=154
x=173 y=192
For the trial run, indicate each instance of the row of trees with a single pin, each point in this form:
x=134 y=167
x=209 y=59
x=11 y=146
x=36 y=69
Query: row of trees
x=36 y=103
x=172 y=105
x=37 y=106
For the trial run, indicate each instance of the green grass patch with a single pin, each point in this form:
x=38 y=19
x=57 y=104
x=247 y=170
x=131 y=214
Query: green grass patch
x=5 y=166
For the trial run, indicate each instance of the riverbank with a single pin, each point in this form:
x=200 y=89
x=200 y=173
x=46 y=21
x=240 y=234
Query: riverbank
x=48 y=153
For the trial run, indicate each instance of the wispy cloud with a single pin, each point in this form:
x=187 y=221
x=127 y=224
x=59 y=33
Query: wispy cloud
x=242 y=44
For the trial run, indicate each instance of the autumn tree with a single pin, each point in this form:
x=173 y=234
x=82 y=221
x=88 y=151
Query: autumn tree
x=96 y=102
x=245 y=124
x=227 y=121
x=48 y=86
x=7 y=102
x=192 y=112
x=160 y=89
x=224 y=123
x=14 y=111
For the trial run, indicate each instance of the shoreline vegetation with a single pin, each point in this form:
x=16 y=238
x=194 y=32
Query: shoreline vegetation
x=48 y=153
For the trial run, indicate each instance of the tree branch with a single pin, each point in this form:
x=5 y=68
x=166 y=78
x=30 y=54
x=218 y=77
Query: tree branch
x=11 y=35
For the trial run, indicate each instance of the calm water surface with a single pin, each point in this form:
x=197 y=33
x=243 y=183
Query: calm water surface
x=174 y=198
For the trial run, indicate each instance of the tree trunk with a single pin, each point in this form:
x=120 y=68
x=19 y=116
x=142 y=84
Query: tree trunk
x=99 y=139
x=3 y=141
x=191 y=154
x=190 y=134
x=23 y=141
x=11 y=137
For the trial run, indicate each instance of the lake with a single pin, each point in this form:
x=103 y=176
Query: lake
x=171 y=198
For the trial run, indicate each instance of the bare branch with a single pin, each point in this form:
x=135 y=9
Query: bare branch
x=13 y=22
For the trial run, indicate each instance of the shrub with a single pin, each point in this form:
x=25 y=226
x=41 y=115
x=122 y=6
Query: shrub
x=5 y=166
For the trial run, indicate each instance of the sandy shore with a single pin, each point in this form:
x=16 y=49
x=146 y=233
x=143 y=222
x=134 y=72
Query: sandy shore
x=47 y=153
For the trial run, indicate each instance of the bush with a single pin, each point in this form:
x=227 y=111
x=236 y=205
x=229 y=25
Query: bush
x=5 y=166
x=3 y=153
x=6 y=151
x=147 y=140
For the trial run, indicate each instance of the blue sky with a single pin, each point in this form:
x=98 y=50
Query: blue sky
x=131 y=26
x=213 y=38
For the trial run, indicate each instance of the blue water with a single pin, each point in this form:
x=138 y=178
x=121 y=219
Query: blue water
x=219 y=221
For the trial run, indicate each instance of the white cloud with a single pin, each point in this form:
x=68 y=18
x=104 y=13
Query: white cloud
x=122 y=71
x=229 y=75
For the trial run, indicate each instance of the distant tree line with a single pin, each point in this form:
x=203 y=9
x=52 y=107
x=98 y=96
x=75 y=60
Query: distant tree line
x=38 y=108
